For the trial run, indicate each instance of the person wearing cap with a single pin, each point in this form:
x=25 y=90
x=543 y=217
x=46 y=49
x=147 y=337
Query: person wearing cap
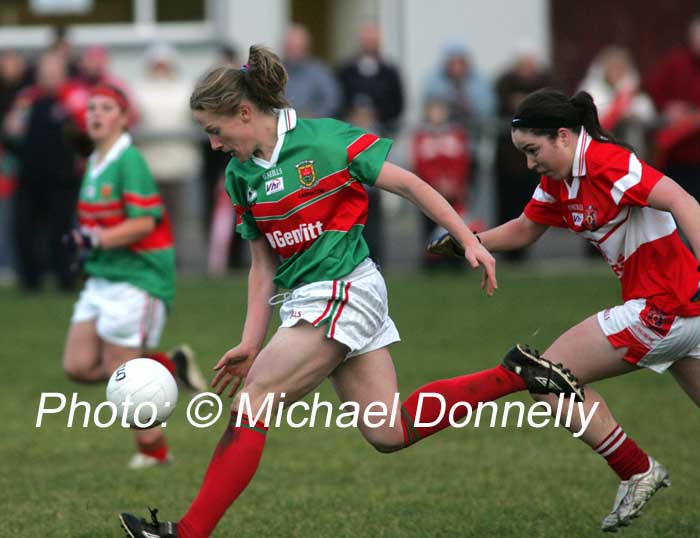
x=125 y=246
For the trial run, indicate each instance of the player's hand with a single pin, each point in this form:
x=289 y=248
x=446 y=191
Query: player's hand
x=478 y=255
x=79 y=242
x=232 y=368
x=446 y=245
x=81 y=239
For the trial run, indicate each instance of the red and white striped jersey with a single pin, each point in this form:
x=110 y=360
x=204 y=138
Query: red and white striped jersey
x=606 y=203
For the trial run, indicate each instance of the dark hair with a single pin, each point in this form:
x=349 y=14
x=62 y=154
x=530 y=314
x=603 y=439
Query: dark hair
x=262 y=80
x=545 y=111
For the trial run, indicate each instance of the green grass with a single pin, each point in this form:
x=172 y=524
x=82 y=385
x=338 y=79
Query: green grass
x=56 y=481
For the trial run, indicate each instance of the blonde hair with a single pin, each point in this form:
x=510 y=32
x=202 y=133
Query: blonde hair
x=262 y=81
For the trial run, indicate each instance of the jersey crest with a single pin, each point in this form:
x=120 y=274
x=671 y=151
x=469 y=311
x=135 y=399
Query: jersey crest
x=307 y=174
x=590 y=217
x=106 y=190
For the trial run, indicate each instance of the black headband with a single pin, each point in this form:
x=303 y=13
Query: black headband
x=543 y=122
x=561 y=115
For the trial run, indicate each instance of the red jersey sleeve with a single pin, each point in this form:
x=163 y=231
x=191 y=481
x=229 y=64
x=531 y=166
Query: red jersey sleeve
x=628 y=180
x=544 y=207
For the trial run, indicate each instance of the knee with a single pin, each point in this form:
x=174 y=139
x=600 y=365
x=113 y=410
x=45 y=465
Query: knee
x=384 y=448
x=83 y=369
x=385 y=442
x=73 y=370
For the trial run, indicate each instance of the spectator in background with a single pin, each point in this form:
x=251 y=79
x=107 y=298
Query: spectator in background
x=13 y=76
x=623 y=108
x=61 y=45
x=440 y=156
x=674 y=85
x=166 y=136
x=312 y=89
x=93 y=70
x=363 y=114
x=48 y=173
x=214 y=162
x=515 y=183
x=369 y=75
x=224 y=249
x=470 y=99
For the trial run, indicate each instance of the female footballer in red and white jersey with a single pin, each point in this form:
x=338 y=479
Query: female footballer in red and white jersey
x=297 y=188
x=599 y=189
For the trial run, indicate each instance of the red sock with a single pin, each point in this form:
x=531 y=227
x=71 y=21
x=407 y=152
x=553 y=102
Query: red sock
x=622 y=454
x=161 y=357
x=232 y=466
x=482 y=386
x=158 y=450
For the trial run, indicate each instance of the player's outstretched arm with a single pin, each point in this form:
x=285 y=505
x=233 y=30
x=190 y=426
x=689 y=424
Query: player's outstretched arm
x=512 y=235
x=233 y=366
x=395 y=179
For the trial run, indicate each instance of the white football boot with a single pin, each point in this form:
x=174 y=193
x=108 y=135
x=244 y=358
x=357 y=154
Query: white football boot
x=633 y=494
x=143 y=461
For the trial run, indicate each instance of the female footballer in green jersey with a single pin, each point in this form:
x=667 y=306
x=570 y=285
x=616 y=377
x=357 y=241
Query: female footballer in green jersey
x=296 y=185
x=127 y=246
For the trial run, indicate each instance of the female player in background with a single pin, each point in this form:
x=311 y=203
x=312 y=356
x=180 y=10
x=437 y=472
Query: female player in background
x=126 y=245
x=296 y=186
x=599 y=189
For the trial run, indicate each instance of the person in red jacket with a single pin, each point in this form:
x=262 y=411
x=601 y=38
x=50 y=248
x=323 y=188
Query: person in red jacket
x=674 y=85
x=440 y=156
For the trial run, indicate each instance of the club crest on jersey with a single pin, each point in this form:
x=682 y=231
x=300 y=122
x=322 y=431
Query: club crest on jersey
x=590 y=217
x=307 y=174
x=106 y=191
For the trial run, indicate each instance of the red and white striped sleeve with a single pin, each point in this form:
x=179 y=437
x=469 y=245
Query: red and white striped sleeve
x=544 y=207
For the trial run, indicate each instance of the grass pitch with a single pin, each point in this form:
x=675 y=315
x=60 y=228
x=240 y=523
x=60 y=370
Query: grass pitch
x=474 y=482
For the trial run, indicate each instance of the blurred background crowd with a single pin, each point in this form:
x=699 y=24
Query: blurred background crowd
x=451 y=127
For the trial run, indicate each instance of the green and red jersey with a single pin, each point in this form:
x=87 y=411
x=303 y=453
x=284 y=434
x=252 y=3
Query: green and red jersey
x=308 y=200
x=121 y=187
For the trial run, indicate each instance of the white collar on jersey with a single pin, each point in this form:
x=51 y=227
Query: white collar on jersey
x=578 y=168
x=286 y=121
x=123 y=142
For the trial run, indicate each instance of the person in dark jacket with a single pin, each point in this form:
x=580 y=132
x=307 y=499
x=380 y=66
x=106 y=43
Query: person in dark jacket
x=369 y=76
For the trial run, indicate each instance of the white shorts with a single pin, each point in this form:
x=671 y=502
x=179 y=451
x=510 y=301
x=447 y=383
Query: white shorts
x=126 y=315
x=355 y=309
x=655 y=340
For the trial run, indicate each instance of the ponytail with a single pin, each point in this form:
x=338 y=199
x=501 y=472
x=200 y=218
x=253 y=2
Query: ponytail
x=266 y=79
x=545 y=111
x=262 y=81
